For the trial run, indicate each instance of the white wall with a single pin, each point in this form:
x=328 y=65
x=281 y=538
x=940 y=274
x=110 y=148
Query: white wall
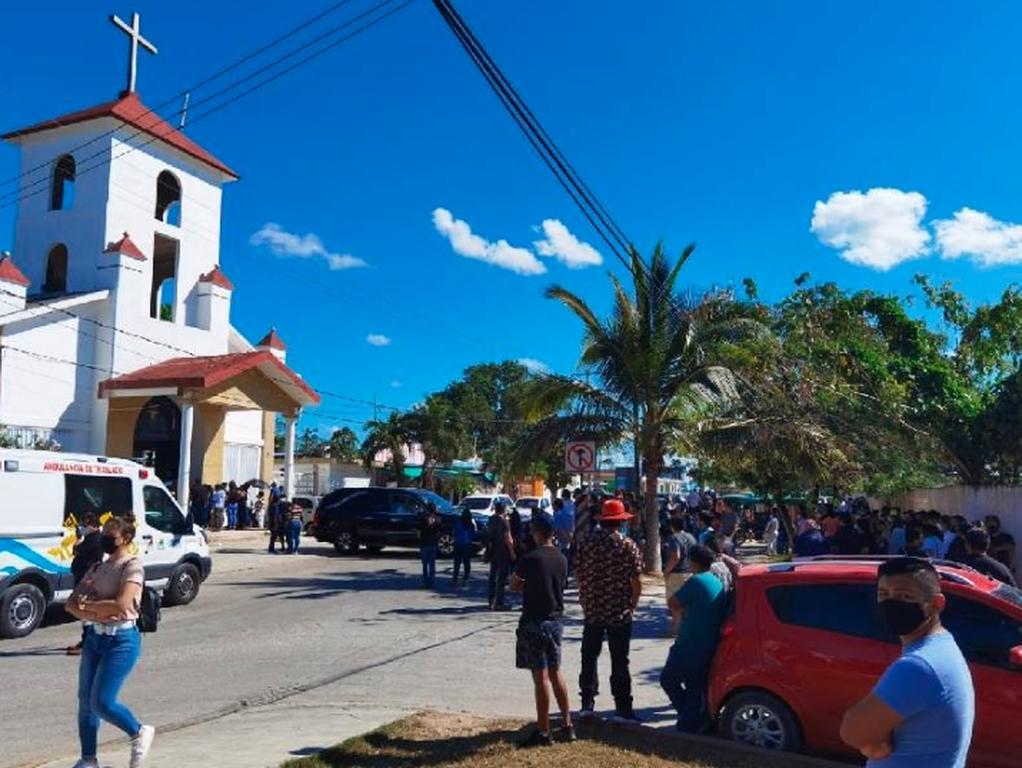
x=82 y=226
x=243 y=427
x=36 y=391
x=972 y=502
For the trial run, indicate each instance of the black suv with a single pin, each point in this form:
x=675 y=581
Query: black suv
x=375 y=518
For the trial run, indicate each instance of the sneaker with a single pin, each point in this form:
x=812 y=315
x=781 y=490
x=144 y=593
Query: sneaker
x=627 y=717
x=566 y=734
x=90 y=763
x=588 y=708
x=537 y=739
x=141 y=744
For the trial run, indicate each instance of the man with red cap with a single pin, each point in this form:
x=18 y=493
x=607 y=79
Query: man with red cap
x=607 y=569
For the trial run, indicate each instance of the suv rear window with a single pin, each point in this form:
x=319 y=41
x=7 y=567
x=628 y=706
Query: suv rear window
x=356 y=502
x=848 y=609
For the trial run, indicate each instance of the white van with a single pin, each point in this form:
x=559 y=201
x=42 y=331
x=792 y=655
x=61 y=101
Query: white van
x=44 y=495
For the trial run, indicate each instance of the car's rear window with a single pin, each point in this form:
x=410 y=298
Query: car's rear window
x=477 y=502
x=1012 y=594
x=847 y=609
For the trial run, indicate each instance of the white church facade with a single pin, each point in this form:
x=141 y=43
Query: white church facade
x=115 y=329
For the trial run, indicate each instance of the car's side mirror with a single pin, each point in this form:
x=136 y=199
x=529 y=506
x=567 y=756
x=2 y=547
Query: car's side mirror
x=1015 y=657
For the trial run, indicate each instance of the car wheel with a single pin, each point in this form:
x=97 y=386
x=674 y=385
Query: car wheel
x=761 y=720
x=445 y=545
x=183 y=585
x=21 y=610
x=345 y=543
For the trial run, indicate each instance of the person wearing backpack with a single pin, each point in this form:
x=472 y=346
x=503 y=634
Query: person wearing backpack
x=108 y=600
x=676 y=570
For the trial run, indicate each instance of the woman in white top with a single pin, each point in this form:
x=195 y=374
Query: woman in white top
x=107 y=600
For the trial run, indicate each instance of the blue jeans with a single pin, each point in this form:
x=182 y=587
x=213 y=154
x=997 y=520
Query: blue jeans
x=232 y=515
x=684 y=679
x=294 y=535
x=462 y=557
x=428 y=554
x=106 y=662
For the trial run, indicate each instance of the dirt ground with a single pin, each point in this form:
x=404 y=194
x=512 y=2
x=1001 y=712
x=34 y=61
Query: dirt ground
x=442 y=740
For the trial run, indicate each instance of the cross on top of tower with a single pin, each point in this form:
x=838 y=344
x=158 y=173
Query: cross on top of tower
x=135 y=33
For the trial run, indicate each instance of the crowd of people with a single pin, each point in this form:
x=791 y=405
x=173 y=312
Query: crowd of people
x=854 y=529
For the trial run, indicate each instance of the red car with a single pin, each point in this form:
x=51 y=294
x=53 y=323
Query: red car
x=805 y=643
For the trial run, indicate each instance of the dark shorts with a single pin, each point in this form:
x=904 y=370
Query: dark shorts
x=539 y=645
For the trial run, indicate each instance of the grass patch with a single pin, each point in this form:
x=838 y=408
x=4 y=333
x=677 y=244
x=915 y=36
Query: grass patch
x=435 y=740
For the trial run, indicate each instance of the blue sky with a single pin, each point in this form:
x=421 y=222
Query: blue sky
x=723 y=124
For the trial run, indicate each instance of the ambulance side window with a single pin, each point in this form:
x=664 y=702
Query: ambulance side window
x=161 y=512
x=99 y=495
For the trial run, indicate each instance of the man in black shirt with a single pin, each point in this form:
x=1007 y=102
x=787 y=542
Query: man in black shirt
x=429 y=534
x=540 y=577
x=977 y=541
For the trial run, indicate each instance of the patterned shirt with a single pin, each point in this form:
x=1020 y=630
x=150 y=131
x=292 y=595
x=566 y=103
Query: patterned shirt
x=605 y=565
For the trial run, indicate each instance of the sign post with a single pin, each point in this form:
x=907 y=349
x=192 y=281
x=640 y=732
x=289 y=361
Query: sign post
x=580 y=456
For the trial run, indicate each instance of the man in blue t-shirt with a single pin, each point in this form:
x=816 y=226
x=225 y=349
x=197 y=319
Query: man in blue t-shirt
x=920 y=713
x=701 y=603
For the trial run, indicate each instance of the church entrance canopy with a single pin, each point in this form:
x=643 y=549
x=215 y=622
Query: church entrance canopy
x=203 y=389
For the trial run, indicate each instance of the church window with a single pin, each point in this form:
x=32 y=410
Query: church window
x=163 y=295
x=62 y=192
x=168 y=199
x=56 y=270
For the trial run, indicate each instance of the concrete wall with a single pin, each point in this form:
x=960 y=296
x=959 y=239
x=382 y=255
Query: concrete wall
x=973 y=502
x=39 y=388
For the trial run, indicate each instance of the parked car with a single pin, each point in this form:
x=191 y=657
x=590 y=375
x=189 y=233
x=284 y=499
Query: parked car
x=484 y=503
x=374 y=518
x=308 y=505
x=805 y=642
x=528 y=504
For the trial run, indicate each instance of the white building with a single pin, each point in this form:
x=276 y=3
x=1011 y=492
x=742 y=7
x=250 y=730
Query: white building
x=115 y=332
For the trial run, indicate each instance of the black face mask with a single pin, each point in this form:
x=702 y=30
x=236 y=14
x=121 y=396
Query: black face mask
x=901 y=616
x=108 y=543
x=992 y=529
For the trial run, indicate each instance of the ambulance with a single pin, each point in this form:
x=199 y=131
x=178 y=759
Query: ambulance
x=43 y=498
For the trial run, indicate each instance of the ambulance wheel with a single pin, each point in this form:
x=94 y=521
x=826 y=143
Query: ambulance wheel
x=183 y=585
x=21 y=610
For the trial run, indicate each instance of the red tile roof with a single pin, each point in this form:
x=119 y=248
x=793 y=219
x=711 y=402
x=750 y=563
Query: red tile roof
x=207 y=372
x=217 y=277
x=273 y=341
x=134 y=114
x=10 y=273
x=125 y=246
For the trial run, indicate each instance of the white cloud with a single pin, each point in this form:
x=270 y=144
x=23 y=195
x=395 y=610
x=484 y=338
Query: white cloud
x=978 y=235
x=378 y=339
x=284 y=243
x=500 y=254
x=561 y=244
x=879 y=228
x=534 y=365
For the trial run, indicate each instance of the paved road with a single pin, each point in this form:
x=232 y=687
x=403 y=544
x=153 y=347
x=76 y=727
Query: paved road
x=314 y=631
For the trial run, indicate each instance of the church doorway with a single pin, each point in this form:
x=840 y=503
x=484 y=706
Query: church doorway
x=158 y=438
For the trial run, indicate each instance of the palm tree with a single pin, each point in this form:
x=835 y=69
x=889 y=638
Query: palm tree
x=658 y=366
x=391 y=435
x=434 y=426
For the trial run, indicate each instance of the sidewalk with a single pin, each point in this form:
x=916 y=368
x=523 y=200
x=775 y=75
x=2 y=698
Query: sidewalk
x=257 y=737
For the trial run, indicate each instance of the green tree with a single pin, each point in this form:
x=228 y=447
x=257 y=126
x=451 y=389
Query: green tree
x=391 y=435
x=488 y=402
x=343 y=445
x=435 y=426
x=308 y=443
x=658 y=364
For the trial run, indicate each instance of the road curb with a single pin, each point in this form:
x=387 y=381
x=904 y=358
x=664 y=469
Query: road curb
x=667 y=735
